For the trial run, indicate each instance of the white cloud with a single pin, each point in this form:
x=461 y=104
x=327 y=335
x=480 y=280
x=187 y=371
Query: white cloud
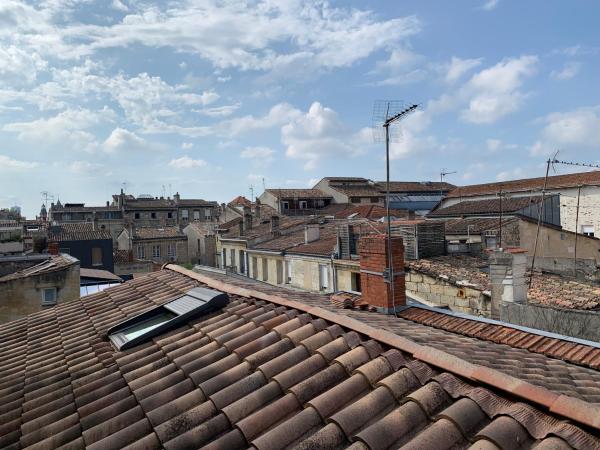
x=18 y=66
x=67 y=127
x=571 y=131
x=277 y=115
x=219 y=111
x=490 y=4
x=83 y=167
x=495 y=92
x=513 y=174
x=320 y=133
x=257 y=153
x=493 y=145
x=123 y=140
x=568 y=71
x=8 y=163
x=119 y=6
x=186 y=145
x=185 y=162
x=459 y=67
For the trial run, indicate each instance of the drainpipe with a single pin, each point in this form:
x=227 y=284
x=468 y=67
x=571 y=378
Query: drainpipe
x=333 y=274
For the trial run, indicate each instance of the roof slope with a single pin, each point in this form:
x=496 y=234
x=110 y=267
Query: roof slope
x=298 y=193
x=157 y=233
x=52 y=264
x=79 y=231
x=416 y=186
x=272 y=374
x=490 y=206
x=591 y=178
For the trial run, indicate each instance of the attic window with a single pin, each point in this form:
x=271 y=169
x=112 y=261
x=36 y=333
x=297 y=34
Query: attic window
x=196 y=302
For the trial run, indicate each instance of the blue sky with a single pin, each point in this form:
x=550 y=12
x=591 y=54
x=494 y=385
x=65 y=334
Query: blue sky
x=210 y=97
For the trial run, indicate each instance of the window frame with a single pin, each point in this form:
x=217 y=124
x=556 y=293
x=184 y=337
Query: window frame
x=141 y=252
x=52 y=302
x=172 y=250
x=98 y=262
x=156 y=250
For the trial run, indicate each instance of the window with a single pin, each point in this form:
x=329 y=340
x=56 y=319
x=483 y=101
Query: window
x=96 y=256
x=320 y=203
x=242 y=262
x=49 y=296
x=195 y=302
x=153 y=215
x=265 y=269
x=156 y=251
x=279 y=266
x=355 y=199
x=303 y=204
x=587 y=230
x=184 y=214
x=285 y=205
x=207 y=214
x=374 y=199
x=355 y=281
x=169 y=215
x=323 y=278
x=196 y=215
x=136 y=215
x=232 y=257
x=255 y=267
x=172 y=251
x=141 y=252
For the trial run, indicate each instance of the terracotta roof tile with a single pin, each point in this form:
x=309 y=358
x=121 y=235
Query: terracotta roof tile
x=487 y=206
x=254 y=373
x=298 y=193
x=83 y=231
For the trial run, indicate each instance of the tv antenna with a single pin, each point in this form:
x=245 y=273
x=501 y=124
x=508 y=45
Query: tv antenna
x=443 y=174
x=251 y=193
x=45 y=196
x=386 y=114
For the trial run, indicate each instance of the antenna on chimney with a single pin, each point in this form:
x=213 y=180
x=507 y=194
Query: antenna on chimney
x=386 y=113
x=124 y=185
x=443 y=173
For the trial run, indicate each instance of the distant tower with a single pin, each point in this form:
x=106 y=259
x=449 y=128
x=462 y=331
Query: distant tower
x=43 y=213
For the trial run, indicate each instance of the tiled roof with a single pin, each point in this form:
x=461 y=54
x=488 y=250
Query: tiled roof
x=298 y=193
x=203 y=227
x=240 y=200
x=82 y=231
x=52 y=264
x=196 y=202
x=490 y=206
x=475 y=225
x=546 y=289
x=591 y=178
x=416 y=186
x=157 y=233
x=262 y=228
x=264 y=371
x=374 y=212
x=82 y=208
x=352 y=190
x=577 y=353
x=295 y=242
x=123 y=256
x=532 y=366
x=100 y=274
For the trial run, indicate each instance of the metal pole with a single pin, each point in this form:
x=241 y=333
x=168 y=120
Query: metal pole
x=500 y=243
x=537 y=233
x=387 y=214
x=576 y=231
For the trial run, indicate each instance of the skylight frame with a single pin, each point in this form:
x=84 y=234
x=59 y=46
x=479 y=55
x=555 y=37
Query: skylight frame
x=195 y=302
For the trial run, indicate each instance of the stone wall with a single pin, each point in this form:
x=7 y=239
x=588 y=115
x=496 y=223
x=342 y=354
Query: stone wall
x=23 y=296
x=438 y=292
x=579 y=324
x=589 y=208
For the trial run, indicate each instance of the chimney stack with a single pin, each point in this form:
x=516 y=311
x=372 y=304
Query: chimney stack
x=176 y=197
x=274 y=223
x=311 y=233
x=241 y=227
x=507 y=275
x=257 y=208
x=374 y=277
x=247 y=218
x=53 y=248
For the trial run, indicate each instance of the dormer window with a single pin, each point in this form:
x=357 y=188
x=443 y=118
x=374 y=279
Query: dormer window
x=196 y=302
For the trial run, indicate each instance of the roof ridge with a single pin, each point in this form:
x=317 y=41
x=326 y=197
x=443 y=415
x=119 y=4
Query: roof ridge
x=572 y=408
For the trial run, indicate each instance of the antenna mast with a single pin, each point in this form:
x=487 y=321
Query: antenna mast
x=385 y=114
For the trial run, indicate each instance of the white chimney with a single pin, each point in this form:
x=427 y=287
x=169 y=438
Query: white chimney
x=311 y=233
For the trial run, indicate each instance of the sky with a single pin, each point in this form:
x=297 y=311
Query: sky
x=214 y=98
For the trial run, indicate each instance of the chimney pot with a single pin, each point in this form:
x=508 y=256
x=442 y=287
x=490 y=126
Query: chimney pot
x=507 y=275
x=274 y=223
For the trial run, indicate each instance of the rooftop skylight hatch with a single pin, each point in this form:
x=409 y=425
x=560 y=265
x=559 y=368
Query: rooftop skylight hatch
x=196 y=302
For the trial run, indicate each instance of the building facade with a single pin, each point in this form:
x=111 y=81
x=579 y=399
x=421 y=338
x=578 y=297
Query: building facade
x=157 y=244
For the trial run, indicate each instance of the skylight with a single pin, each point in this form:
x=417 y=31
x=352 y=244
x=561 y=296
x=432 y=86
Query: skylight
x=197 y=301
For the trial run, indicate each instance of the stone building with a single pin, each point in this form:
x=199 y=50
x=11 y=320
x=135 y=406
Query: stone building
x=157 y=244
x=296 y=201
x=35 y=288
x=571 y=188
x=202 y=244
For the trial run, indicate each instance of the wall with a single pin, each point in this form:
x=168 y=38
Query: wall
x=579 y=324
x=269 y=199
x=82 y=250
x=133 y=267
x=305 y=273
x=23 y=296
x=124 y=241
x=181 y=250
x=338 y=197
x=589 y=208
x=441 y=293
x=228 y=246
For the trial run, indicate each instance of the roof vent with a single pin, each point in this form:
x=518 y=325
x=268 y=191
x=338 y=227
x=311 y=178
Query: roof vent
x=196 y=302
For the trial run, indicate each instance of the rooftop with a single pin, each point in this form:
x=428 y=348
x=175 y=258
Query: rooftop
x=416 y=186
x=99 y=274
x=373 y=212
x=83 y=231
x=52 y=264
x=546 y=289
x=166 y=232
x=489 y=206
x=297 y=193
x=274 y=371
x=571 y=180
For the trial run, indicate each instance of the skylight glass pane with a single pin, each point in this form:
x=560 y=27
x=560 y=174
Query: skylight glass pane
x=147 y=325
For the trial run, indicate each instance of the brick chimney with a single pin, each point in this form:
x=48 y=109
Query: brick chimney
x=274 y=223
x=257 y=208
x=247 y=218
x=376 y=291
x=507 y=276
